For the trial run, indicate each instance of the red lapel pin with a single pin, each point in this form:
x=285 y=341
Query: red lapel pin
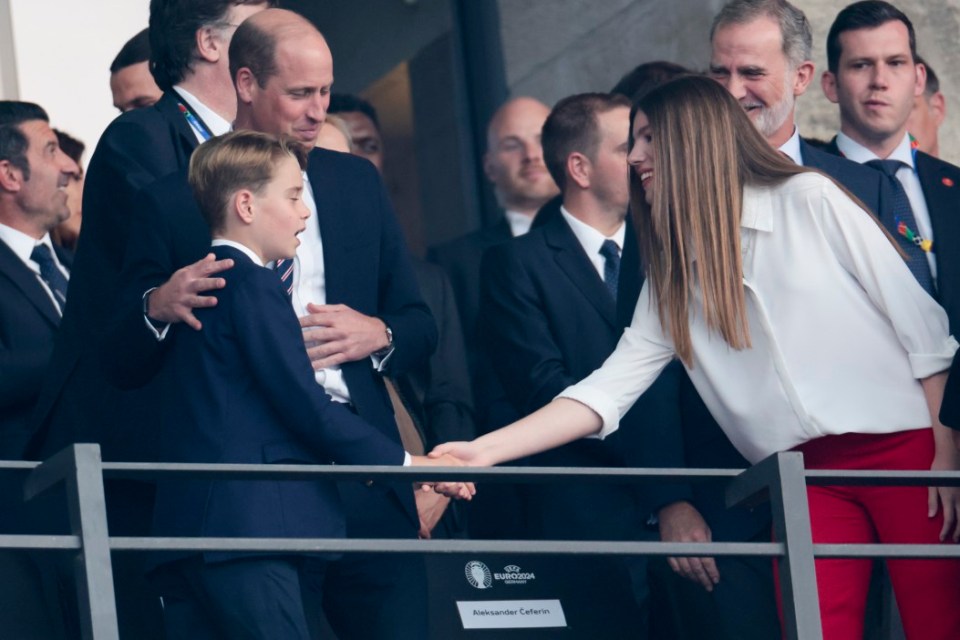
x=947 y=182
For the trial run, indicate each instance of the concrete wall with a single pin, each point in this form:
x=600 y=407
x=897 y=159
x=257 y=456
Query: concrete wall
x=553 y=48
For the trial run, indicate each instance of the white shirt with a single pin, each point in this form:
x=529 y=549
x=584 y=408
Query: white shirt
x=907 y=176
x=791 y=148
x=841 y=331
x=22 y=245
x=591 y=240
x=217 y=124
x=519 y=222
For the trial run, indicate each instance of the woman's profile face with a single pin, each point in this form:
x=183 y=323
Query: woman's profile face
x=641 y=155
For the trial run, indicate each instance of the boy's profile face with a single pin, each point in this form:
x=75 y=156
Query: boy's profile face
x=279 y=212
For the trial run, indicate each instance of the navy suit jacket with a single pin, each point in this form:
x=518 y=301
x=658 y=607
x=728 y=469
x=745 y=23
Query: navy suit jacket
x=28 y=326
x=77 y=402
x=549 y=322
x=941 y=189
x=367 y=268
x=246 y=393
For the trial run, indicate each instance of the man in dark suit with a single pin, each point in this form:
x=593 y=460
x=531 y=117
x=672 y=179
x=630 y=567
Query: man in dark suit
x=352 y=288
x=513 y=162
x=876 y=97
x=549 y=299
x=34 y=276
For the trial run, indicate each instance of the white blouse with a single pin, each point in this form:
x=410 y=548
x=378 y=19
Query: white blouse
x=840 y=331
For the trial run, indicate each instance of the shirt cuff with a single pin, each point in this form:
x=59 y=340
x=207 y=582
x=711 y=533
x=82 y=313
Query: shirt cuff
x=599 y=402
x=407 y=459
x=158 y=333
x=380 y=362
x=925 y=365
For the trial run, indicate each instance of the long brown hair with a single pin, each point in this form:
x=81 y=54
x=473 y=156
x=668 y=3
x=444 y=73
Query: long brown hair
x=705 y=150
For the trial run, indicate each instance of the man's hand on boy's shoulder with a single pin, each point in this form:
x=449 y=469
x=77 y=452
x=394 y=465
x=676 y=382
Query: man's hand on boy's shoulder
x=335 y=333
x=175 y=299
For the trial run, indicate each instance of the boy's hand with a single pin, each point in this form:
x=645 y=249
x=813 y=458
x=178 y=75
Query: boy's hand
x=335 y=333
x=175 y=299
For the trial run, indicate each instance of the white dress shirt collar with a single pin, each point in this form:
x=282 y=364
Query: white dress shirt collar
x=218 y=124
x=242 y=248
x=519 y=222
x=22 y=244
x=590 y=239
x=855 y=151
x=791 y=147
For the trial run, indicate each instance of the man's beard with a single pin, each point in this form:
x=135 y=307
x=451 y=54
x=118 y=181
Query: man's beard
x=772 y=118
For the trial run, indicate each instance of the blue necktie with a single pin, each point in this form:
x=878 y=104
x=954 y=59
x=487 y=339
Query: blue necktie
x=50 y=273
x=903 y=212
x=284 y=269
x=611 y=266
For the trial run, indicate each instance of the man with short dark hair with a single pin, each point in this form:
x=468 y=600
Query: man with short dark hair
x=131 y=84
x=34 y=278
x=874 y=78
x=363 y=124
x=549 y=302
x=928 y=113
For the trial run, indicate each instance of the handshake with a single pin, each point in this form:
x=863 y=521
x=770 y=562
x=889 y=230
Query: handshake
x=450 y=454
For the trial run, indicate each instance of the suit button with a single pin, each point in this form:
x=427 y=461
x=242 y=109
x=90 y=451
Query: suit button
x=369 y=483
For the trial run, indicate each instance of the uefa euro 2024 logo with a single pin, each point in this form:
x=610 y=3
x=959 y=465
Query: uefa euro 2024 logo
x=478 y=575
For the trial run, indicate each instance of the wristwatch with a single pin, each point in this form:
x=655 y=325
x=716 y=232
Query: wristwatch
x=387 y=349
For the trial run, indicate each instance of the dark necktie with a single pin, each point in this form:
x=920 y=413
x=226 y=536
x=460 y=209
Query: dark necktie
x=50 y=273
x=903 y=214
x=611 y=266
x=284 y=269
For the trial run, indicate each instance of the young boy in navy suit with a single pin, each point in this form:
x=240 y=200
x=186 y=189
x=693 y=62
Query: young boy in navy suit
x=246 y=393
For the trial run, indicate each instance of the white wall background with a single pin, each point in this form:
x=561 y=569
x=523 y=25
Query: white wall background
x=62 y=50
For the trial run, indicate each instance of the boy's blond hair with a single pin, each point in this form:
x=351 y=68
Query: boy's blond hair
x=238 y=160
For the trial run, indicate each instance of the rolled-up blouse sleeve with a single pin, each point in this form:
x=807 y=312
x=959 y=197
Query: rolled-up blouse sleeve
x=642 y=353
x=919 y=321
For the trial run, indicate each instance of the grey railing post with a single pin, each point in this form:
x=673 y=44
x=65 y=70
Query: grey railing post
x=782 y=477
x=79 y=468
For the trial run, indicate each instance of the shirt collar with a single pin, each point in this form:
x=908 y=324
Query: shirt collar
x=791 y=147
x=853 y=150
x=757 y=208
x=218 y=124
x=590 y=239
x=519 y=222
x=245 y=250
x=22 y=244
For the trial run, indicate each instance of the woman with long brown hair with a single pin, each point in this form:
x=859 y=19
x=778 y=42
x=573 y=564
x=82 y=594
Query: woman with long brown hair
x=801 y=328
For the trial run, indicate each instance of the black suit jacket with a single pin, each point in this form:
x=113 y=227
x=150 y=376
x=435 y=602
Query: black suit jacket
x=28 y=326
x=366 y=268
x=246 y=393
x=77 y=403
x=549 y=321
x=941 y=189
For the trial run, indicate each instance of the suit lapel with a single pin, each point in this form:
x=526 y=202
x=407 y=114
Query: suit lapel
x=573 y=261
x=943 y=199
x=24 y=279
x=336 y=230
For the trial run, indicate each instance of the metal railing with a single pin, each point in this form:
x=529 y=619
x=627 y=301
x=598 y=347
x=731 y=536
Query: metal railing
x=780 y=478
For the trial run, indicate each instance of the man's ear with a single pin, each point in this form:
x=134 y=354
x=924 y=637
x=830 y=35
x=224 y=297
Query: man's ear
x=489 y=168
x=246 y=84
x=828 y=82
x=243 y=205
x=938 y=105
x=11 y=177
x=579 y=169
x=803 y=78
x=921 y=84
x=210 y=44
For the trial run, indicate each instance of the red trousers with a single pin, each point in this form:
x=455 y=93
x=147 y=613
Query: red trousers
x=927 y=591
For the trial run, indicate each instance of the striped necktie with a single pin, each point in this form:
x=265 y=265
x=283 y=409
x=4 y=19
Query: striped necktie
x=284 y=269
x=611 y=266
x=51 y=274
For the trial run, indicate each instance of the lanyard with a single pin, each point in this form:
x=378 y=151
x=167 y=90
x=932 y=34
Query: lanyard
x=194 y=122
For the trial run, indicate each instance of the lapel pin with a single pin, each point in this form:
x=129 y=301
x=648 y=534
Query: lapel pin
x=947 y=182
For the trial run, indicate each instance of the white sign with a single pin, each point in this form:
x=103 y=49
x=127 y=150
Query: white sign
x=511 y=614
